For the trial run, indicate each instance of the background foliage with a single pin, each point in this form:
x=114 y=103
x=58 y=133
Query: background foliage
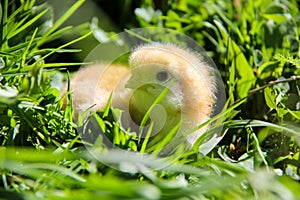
x=255 y=45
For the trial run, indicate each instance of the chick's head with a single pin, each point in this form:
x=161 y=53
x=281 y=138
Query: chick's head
x=187 y=77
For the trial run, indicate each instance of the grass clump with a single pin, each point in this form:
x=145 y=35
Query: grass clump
x=30 y=108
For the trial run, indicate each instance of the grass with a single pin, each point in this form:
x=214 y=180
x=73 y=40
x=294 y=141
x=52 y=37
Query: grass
x=255 y=45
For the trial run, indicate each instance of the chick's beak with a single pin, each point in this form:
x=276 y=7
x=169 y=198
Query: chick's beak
x=131 y=83
x=136 y=80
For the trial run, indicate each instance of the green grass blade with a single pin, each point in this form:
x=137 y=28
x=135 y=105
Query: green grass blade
x=59 y=65
x=162 y=142
x=108 y=106
x=4 y=25
x=220 y=116
x=239 y=61
x=258 y=148
x=24 y=56
x=260 y=123
x=147 y=137
x=37 y=169
x=69 y=30
x=29 y=23
x=61 y=20
x=138 y=36
x=65 y=45
x=43 y=51
x=20 y=46
x=161 y=96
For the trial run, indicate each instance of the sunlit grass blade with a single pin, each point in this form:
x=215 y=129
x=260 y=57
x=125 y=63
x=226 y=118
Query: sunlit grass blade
x=25 y=53
x=158 y=144
x=35 y=170
x=15 y=25
x=61 y=20
x=108 y=106
x=259 y=123
x=147 y=137
x=65 y=45
x=67 y=100
x=69 y=30
x=58 y=33
x=18 y=47
x=160 y=97
x=45 y=50
x=138 y=36
x=229 y=23
x=258 y=149
x=60 y=65
x=4 y=26
x=218 y=120
x=26 y=25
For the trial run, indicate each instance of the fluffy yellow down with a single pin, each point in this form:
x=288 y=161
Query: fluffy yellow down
x=152 y=68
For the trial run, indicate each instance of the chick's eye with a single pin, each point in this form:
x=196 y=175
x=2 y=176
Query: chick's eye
x=162 y=76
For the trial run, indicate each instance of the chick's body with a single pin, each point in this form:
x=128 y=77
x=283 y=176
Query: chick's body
x=191 y=87
x=92 y=86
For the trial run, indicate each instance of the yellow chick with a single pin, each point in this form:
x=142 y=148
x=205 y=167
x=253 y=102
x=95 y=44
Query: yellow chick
x=186 y=77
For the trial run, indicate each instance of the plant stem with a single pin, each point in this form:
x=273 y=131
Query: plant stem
x=271 y=83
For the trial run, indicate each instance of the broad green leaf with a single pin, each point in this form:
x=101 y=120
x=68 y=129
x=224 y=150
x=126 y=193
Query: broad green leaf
x=278 y=18
x=270 y=98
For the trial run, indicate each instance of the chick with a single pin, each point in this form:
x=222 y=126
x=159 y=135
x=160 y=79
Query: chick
x=154 y=68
